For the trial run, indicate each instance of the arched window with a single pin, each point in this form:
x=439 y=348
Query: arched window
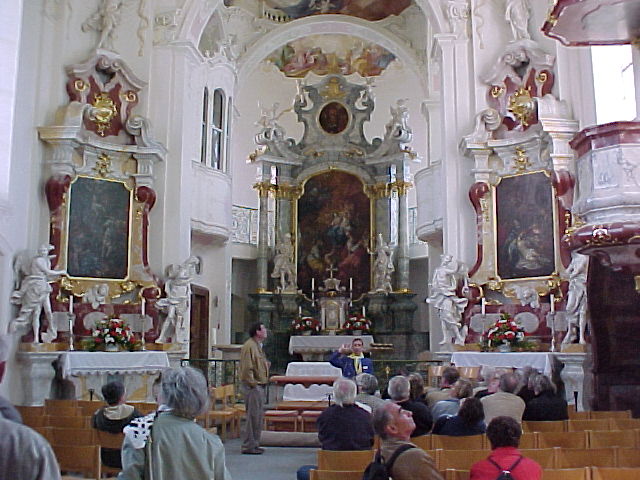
x=205 y=115
x=613 y=82
x=217 y=129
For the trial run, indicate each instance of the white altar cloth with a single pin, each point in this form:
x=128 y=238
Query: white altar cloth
x=322 y=343
x=112 y=363
x=315 y=392
x=541 y=361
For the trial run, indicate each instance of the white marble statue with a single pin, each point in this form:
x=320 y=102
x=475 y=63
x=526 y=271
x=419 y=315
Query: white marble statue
x=383 y=267
x=32 y=292
x=445 y=300
x=177 y=301
x=527 y=295
x=97 y=295
x=105 y=20
x=517 y=13
x=283 y=265
x=576 y=311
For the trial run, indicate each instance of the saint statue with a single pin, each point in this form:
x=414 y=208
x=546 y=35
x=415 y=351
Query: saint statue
x=445 y=300
x=517 y=14
x=283 y=266
x=383 y=267
x=576 y=311
x=177 y=301
x=32 y=278
x=105 y=20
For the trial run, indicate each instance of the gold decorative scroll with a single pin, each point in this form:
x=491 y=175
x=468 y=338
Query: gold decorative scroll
x=103 y=165
x=104 y=112
x=521 y=160
x=521 y=105
x=333 y=89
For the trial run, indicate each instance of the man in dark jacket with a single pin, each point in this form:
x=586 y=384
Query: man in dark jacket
x=546 y=405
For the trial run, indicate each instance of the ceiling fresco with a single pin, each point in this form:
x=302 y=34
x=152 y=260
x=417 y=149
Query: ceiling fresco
x=323 y=54
x=367 y=9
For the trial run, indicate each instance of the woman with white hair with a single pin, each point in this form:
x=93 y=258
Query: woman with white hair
x=169 y=444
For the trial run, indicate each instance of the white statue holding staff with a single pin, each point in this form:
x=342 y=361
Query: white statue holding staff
x=178 y=300
x=445 y=300
x=576 y=311
x=32 y=278
x=283 y=266
x=383 y=266
x=517 y=13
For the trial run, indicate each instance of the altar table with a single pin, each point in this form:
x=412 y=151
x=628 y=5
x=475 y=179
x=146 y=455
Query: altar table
x=541 y=361
x=137 y=370
x=319 y=345
x=311 y=381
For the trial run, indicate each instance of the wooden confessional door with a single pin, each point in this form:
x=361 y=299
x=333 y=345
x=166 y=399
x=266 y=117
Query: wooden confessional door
x=199 y=332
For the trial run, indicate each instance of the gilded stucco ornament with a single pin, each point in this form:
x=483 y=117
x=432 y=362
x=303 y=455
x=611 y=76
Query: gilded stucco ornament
x=102 y=112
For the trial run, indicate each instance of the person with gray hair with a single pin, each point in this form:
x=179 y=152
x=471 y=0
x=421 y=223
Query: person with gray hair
x=399 y=390
x=342 y=426
x=169 y=443
x=504 y=401
x=395 y=425
x=546 y=405
x=367 y=388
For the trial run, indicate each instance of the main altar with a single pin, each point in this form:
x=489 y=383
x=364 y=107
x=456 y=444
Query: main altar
x=341 y=243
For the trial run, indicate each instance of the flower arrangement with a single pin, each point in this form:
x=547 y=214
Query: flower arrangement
x=305 y=324
x=506 y=332
x=111 y=332
x=357 y=322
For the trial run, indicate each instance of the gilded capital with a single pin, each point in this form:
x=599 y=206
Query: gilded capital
x=401 y=186
x=264 y=188
x=288 y=191
x=378 y=190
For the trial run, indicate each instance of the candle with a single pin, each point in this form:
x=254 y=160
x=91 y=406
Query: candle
x=71 y=304
x=350 y=283
x=142 y=307
x=313 y=284
x=300 y=310
x=552 y=303
x=364 y=311
x=484 y=306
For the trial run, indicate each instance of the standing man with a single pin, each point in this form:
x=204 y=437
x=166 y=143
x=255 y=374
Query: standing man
x=351 y=360
x=254 y=375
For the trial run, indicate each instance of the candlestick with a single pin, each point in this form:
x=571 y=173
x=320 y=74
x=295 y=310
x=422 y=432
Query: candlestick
x=71 y=319
x=71 y=304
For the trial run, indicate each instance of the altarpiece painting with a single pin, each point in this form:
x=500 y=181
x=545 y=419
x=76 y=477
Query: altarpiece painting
x=334 y=231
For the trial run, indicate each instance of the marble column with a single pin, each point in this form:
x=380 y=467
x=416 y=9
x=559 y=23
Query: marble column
x=263 y=236
x=402 y=271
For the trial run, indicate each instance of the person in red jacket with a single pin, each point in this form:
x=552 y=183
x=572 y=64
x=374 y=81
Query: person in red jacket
x=504 y=434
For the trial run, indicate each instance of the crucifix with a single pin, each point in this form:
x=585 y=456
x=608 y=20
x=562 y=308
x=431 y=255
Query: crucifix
x=331 y=269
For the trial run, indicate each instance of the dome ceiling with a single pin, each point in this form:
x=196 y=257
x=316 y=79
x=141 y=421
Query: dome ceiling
x=323 y=54
x=367 y=9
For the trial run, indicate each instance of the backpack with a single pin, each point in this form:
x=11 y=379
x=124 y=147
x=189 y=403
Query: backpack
x=505 y=474
x=381 y=470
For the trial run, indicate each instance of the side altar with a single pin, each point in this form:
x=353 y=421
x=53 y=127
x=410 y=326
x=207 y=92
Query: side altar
x=341 y=218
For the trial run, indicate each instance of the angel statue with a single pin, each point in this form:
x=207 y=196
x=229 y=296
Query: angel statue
x=177 y=301
x=445 y=300
x=32 y=290
x=105 y=20
x=283 y=266
x=383 y=267
x=576 y=310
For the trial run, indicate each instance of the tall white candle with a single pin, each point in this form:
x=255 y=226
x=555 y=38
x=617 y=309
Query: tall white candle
x=71 y=304
x=143 y=307
x=313 y=284
x=552 y=303
x=300 y=310
x=364 y=311
x=484 y=306
x=350 y=283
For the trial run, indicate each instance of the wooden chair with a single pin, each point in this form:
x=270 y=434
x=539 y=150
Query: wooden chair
x=527 y=440
x=79 y=458
x=434 y=373
x=33 y=420
x=624 y=424
x=555 y=426
x=63 y=411
x=232 y=401
x=599 y=414
x=72 y=436
x=89 y=407
x=574 y=415
x=50 y=403
x=446 y=442
x=586 y=457
x=145 y=408
x=613 y=473
x=546 y=457
x=335 y=474
x=425 y=442
x=566 y=474
x=219 y=414
x=281 y=420
x=459 y=459
x=562 y=439
x=581 y=425
x=613 y=438
x=629 y=458
x=308 y=419
x=345 y=460
x=109 y=440
x=453 y=474
x=68 y=422
x=471 y=373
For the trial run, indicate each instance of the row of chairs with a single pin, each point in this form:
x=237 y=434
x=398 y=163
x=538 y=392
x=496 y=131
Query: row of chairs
x=225 y=412
x=548 y=458
x=291 y=420
x=612 y=423
x=583 y=439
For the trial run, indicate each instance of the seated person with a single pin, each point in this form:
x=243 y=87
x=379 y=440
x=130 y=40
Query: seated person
x=416 y=388
x=546 y=405
x=399 y=389
x=527 y=375
x=450 y=376
x=492 y=378
x=113 y=418
x=468 y=421
x=344 y=425
x=450 y=406
x=367 y=389
x=351 y=360
x=504 y=434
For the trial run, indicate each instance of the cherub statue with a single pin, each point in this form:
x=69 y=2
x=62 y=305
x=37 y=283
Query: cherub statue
x=383 y=267
x=527 y=296
x=576 y=311
x=32 y=290
x=105 y=20
x=97 y=295
x=445 y=300
x=177 y=301
x=283 y=265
